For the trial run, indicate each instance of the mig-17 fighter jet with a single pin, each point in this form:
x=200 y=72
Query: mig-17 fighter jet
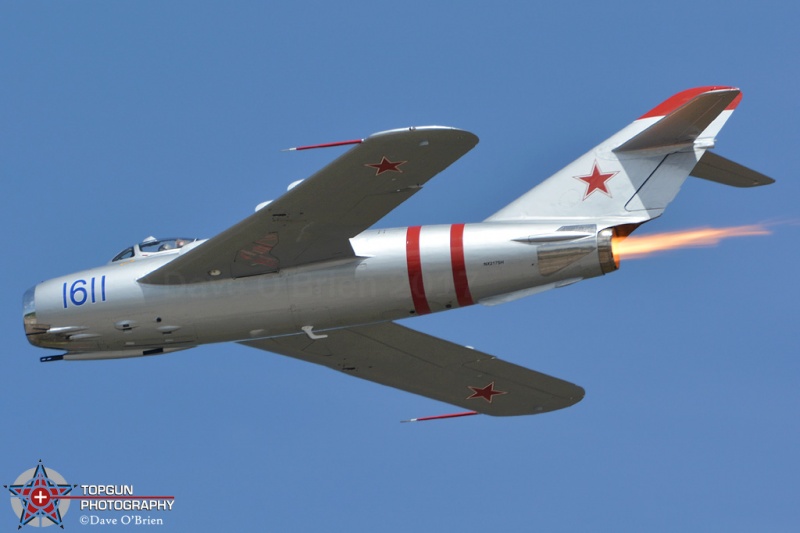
x=307 y=276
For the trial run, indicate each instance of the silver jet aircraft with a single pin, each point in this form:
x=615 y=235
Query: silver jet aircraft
x=304 y=276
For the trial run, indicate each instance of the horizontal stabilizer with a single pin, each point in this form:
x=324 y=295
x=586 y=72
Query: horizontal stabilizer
x=714 y=167
x=686 y=117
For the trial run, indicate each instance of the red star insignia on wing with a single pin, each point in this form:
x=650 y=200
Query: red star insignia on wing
x=487 y=393
x=386 y=166
x=596 y=181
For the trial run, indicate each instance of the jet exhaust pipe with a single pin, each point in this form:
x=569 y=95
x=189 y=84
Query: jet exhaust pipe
x=605 y=250
x=555 y=257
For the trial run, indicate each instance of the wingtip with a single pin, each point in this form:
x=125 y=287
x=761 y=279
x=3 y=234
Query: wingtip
x=429 y=130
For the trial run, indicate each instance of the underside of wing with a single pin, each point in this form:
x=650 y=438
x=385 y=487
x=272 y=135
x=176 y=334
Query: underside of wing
x=393 y=355
x=314 y=221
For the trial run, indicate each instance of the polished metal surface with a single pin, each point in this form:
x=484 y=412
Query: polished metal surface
x=305 y=277
x=605 y=251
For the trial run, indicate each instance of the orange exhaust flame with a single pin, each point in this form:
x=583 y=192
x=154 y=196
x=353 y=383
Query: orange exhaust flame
x=639 y=247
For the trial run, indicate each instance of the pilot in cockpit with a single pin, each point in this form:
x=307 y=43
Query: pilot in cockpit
x=172 y=244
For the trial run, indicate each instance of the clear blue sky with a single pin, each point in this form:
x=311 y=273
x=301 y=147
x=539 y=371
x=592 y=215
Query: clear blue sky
x=120 y=120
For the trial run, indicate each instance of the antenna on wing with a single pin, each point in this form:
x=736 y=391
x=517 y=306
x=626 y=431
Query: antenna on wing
x=439 y=417
x=324 y=145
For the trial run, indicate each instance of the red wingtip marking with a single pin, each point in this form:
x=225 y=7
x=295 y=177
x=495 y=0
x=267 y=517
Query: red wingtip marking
x=674 y=102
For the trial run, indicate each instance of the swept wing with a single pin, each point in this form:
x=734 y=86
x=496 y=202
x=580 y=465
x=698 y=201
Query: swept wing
x=393 y=355
x=314 y=221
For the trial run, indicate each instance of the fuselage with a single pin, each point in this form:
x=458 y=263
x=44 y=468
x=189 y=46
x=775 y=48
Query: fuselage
x=396 y=273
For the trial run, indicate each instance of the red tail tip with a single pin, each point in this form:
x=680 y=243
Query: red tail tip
x=674 y=102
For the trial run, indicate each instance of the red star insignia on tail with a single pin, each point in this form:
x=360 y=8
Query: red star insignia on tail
x=386 y=166
x=487 y=392
x=596 y=181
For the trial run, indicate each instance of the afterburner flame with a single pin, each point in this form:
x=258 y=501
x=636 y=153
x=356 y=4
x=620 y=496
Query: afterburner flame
x=645 y=245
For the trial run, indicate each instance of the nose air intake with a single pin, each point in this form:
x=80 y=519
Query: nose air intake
x=32 y=326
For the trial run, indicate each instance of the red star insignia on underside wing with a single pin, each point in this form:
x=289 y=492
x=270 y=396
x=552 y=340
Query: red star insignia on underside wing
x=487 y=392
x=386 y=166
x=596 y=181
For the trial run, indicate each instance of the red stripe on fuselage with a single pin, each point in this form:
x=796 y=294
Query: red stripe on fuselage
x=414 y=262
x=460 y=281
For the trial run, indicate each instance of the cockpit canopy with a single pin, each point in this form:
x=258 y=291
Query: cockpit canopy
x=151 y=246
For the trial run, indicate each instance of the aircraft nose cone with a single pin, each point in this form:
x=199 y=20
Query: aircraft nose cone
x=32 y=327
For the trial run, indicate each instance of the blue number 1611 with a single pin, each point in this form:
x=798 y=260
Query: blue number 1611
x=82 y=291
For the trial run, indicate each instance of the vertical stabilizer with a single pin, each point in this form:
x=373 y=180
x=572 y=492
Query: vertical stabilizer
x=632 y=176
